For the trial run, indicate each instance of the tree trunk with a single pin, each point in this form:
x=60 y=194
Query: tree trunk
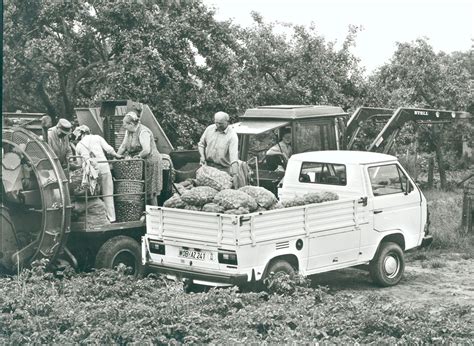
x=68 y=108
x=430 y=172
x=440 y=161
x=47 y=102
x=439 y=158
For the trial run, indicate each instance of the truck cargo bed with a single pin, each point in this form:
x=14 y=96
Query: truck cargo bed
x=206 y=228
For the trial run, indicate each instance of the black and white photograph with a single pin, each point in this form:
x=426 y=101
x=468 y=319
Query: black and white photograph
x=237 y=172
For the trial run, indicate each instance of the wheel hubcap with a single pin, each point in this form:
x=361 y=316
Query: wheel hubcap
x=391 y=266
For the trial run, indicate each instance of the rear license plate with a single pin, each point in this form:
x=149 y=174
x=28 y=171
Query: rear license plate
x=194 y=254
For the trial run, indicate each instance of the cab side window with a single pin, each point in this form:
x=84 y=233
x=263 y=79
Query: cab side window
x=323 y=173
x=387 y=180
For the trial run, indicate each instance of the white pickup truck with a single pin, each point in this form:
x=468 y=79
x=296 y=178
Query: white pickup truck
x=380 y=214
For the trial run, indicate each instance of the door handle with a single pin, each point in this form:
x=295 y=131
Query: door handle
x=378 y=211
x=363 y=201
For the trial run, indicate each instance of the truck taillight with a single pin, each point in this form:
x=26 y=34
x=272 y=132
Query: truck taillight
x=227 y=257
x=157 y=247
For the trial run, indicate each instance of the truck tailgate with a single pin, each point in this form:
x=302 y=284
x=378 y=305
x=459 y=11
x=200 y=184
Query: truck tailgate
x=192 y=227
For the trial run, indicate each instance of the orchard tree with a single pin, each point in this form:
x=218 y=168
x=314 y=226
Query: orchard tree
x=417 y=76
x=172 y=55
x=292 y=64
x=62 y=54
x=50 y=53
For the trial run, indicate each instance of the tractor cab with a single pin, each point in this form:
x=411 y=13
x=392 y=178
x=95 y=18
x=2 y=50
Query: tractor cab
x=261 y=131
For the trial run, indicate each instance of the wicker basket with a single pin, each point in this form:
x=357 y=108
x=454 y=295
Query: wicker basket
x=132 y=190
x=128 y=169
x=128 y=210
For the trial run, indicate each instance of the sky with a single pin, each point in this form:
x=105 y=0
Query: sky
x=448 y=25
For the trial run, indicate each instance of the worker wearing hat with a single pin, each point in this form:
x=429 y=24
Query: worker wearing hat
x=58 y=139
x=93 y=148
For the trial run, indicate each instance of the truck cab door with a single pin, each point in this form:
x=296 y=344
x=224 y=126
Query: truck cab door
x=334 y=245
x=396 y=201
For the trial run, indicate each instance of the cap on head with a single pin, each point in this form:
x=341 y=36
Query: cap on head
x=80 y=130
x=131 y=117
x=64 y=126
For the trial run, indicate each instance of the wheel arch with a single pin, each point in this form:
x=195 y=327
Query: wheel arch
x=397 y=238
x=292 y=259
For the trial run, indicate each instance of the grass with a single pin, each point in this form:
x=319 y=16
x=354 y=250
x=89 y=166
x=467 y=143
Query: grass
x=435 y=264
x=445 y=215
x=419 y=256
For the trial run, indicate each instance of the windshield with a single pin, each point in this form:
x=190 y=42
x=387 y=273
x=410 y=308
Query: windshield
x=260 y=144
x=314 y=135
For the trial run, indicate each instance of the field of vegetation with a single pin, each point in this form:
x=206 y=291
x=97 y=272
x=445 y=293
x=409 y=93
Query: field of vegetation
x=432 y=304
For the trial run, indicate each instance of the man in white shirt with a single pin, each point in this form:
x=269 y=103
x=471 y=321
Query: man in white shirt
x=219 y=145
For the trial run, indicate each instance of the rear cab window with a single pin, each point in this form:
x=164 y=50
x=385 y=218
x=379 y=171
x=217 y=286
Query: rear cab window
x=323 y=173
x=387 y=179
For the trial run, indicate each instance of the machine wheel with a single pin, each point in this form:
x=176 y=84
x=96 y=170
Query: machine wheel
x=388 y=265
x=120 y=249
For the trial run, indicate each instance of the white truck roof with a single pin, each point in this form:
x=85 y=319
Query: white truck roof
x=343 y=157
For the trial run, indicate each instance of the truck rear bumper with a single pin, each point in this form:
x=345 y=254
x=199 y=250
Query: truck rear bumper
x=193 y=274
x=427 y=240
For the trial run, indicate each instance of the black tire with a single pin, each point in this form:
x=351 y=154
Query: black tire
x=120 y=249
x=388 y=265
x=279 y=266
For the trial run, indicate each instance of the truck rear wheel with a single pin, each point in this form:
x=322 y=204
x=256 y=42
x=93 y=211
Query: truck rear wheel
x=120 y=249
x=281 y=266
x=278 y=266
x=388 y=265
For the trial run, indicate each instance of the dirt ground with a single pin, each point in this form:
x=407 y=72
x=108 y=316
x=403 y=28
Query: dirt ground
x=435 y=280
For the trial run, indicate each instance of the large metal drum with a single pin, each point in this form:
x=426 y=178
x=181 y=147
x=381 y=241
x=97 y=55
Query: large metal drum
x=36 y=205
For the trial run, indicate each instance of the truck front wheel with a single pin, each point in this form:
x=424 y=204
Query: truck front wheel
x=120 y=249
x=388 y=265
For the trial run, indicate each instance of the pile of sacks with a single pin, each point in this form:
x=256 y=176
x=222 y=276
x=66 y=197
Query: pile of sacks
x=96 y=213
x=211 y=192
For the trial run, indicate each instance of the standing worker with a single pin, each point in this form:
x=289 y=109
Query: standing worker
x=58 y=139
x=219 y=144
x=139 y=142
x=93 y=147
